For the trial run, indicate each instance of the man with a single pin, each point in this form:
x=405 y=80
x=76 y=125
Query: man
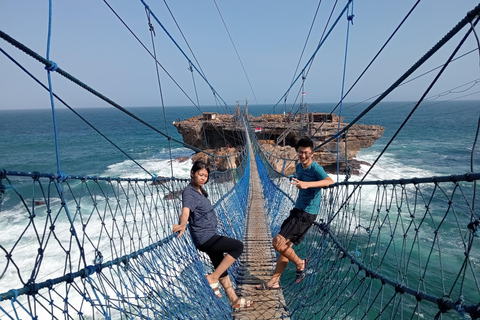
x=310 y=178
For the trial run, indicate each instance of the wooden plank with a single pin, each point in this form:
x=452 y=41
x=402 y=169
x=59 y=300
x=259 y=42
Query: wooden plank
x=258 y=259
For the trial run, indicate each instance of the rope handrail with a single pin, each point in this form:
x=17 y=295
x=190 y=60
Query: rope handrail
x=467 y=177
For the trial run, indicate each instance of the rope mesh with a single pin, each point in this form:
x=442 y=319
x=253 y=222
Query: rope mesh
x=397 y=248
x=115 y=258
x=404 y=250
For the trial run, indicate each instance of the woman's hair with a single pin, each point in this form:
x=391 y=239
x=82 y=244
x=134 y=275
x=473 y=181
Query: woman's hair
x=199 y=165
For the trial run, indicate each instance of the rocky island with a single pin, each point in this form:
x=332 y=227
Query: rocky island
x=222 y=134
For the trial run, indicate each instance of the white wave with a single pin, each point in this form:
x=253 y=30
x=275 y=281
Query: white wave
x=388 y=167
x=160 y=167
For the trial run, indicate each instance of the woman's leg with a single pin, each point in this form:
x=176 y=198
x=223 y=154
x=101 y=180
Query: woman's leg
x=215 y=248
x=226 y=262
x=228 y=287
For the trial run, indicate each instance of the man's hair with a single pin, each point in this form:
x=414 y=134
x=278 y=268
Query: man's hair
x=305 y=143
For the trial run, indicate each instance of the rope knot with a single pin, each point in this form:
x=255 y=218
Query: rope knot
x=443 y=304
x=89 y=270
x=98 y=258
x=474 y=311
x=61 y=176
x=473 y=226
x=400 y=288
x=350 y=18
x=151 y=28
x=52 y=66
x=323 y=227
x=459 y=305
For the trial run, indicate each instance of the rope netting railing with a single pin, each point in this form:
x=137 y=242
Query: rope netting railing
x=104 y=249
x=384 y=249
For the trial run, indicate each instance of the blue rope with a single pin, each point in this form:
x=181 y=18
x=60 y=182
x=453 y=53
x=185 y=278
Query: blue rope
x=349 y=20
x=50 y=68
x=61 y=176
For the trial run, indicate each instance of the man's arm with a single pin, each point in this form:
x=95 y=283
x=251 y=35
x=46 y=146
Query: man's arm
x=313 y=184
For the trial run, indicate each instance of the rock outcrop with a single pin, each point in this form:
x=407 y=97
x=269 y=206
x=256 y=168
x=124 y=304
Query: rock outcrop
x=278 y=134
x=223 y=158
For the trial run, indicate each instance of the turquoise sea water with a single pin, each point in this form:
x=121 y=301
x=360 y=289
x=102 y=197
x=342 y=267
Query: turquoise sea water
x=437 y=140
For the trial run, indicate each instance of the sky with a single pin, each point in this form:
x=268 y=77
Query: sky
x=90 y=42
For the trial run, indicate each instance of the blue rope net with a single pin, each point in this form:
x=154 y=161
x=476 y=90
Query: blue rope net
x=113 y=256
x=400 y=249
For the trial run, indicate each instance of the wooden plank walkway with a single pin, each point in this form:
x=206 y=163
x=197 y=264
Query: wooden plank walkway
x=257 y=262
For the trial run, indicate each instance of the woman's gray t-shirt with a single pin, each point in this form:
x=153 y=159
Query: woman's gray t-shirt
x=202 y=219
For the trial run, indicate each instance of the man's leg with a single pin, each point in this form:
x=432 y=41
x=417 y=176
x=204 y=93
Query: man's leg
x=287 y=254
x=284 y=247
x=282 y=262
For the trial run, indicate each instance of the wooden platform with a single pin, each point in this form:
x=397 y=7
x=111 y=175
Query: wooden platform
x=257 y=262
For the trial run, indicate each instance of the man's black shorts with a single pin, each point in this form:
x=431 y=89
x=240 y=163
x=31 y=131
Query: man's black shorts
x=296 y=225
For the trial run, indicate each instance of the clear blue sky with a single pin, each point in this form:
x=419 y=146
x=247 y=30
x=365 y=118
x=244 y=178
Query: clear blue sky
x=89 y=42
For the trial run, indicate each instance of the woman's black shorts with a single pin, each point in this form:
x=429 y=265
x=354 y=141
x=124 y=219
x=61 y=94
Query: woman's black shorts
x=296 y=225
x=216 y=246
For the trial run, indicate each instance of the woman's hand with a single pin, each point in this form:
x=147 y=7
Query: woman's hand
x=180 y=228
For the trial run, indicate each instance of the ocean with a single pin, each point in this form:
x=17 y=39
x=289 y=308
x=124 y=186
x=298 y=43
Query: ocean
x=437 y=140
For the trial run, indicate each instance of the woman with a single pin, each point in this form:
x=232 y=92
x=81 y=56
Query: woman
x=198 y=211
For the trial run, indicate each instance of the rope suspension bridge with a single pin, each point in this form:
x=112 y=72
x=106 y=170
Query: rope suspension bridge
x=378 y=249
x=88 y=247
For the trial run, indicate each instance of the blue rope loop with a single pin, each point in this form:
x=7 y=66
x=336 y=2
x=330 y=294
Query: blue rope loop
x=51 y=67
